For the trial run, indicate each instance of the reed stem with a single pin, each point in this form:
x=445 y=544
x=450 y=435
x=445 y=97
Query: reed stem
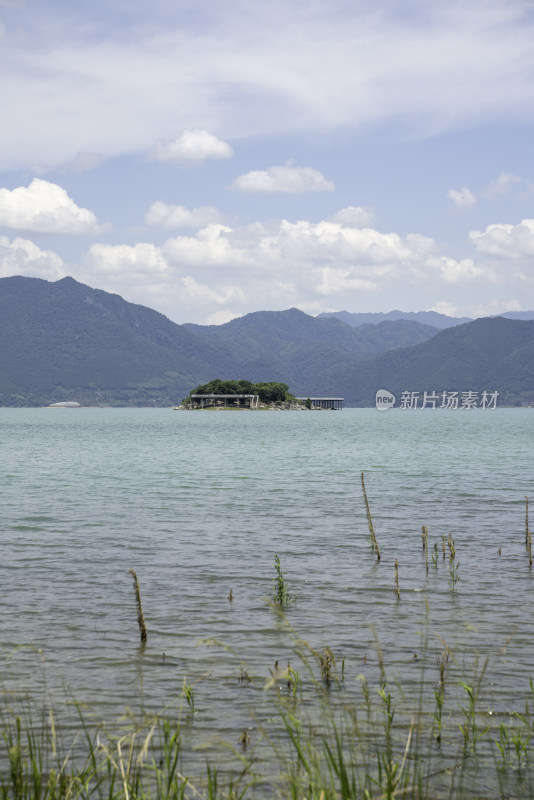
x=140 y=615
x=370 y=522
x=424 y=536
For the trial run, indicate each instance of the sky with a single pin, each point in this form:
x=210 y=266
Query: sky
x=210 y=158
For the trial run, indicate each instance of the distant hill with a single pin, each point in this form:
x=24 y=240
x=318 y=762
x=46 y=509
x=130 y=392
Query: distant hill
x=487 y=354
x=525 y=315
x=440 y=321
x=299 y=349
x=66 y=341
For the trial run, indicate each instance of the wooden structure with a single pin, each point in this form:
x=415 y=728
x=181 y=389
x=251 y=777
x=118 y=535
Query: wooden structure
x=335 y=403
x=224 y=401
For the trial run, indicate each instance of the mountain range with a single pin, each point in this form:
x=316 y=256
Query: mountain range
x=433 y=318
x=66 y=341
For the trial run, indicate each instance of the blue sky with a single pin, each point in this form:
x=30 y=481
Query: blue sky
x=209 y=159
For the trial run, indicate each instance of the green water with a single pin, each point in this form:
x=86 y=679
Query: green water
x=200 y=503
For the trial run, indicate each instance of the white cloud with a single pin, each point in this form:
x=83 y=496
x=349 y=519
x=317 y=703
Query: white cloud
x=453 y=271
x=44 y=207
x=242 y=74
x=514 y=242
x=213 y=246
x=143 y=260
x=443 y=307
x=502 y=185
x=218 y=271
x=203 y=295
x=192 y=147
x=221 y=317
x=227 y=271
x=83 y=162
x=354 y=217
x=333 y=282
x=294 y=180
x=23 y=257
x=495 y=307
x=170 y=216
x=462 y=197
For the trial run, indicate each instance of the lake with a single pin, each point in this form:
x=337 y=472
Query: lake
x=199 y=503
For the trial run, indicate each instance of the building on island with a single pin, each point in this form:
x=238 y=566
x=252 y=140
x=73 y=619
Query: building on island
x=223 y=401
x=334 y=403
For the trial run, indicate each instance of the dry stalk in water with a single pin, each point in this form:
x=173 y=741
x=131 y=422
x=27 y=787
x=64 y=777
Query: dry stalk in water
x=444 y=660
x=327 y=664
x=443 y=546
x=529 y=547
x=370 y=522
x=424 y=536
x=397 y=590
x=140 y=615
x=526 y=520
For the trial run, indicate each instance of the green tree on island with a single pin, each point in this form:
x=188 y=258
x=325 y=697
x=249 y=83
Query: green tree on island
x=269 y=392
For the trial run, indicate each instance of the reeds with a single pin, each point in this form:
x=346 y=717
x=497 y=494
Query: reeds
x=372 y=534
x=397 y=589
x=140 y=615
x=343 y=741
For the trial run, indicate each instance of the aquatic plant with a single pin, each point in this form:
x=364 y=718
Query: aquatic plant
x=327 y=665
x=281 y=596
x=454 y=565
x=372 y=534
x=397 y=589
x=362 y=743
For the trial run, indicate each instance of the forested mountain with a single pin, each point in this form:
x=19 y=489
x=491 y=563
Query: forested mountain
x=298 y=349
x=487 y=354
x=66 y=341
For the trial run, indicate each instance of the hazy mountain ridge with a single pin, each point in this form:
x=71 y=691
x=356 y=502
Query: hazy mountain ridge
x=65 y=340
x=440 y=321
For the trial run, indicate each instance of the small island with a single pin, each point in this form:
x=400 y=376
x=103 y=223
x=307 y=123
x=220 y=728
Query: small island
x=243 y=394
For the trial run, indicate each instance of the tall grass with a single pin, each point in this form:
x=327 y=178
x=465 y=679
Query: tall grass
x=322 y=737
